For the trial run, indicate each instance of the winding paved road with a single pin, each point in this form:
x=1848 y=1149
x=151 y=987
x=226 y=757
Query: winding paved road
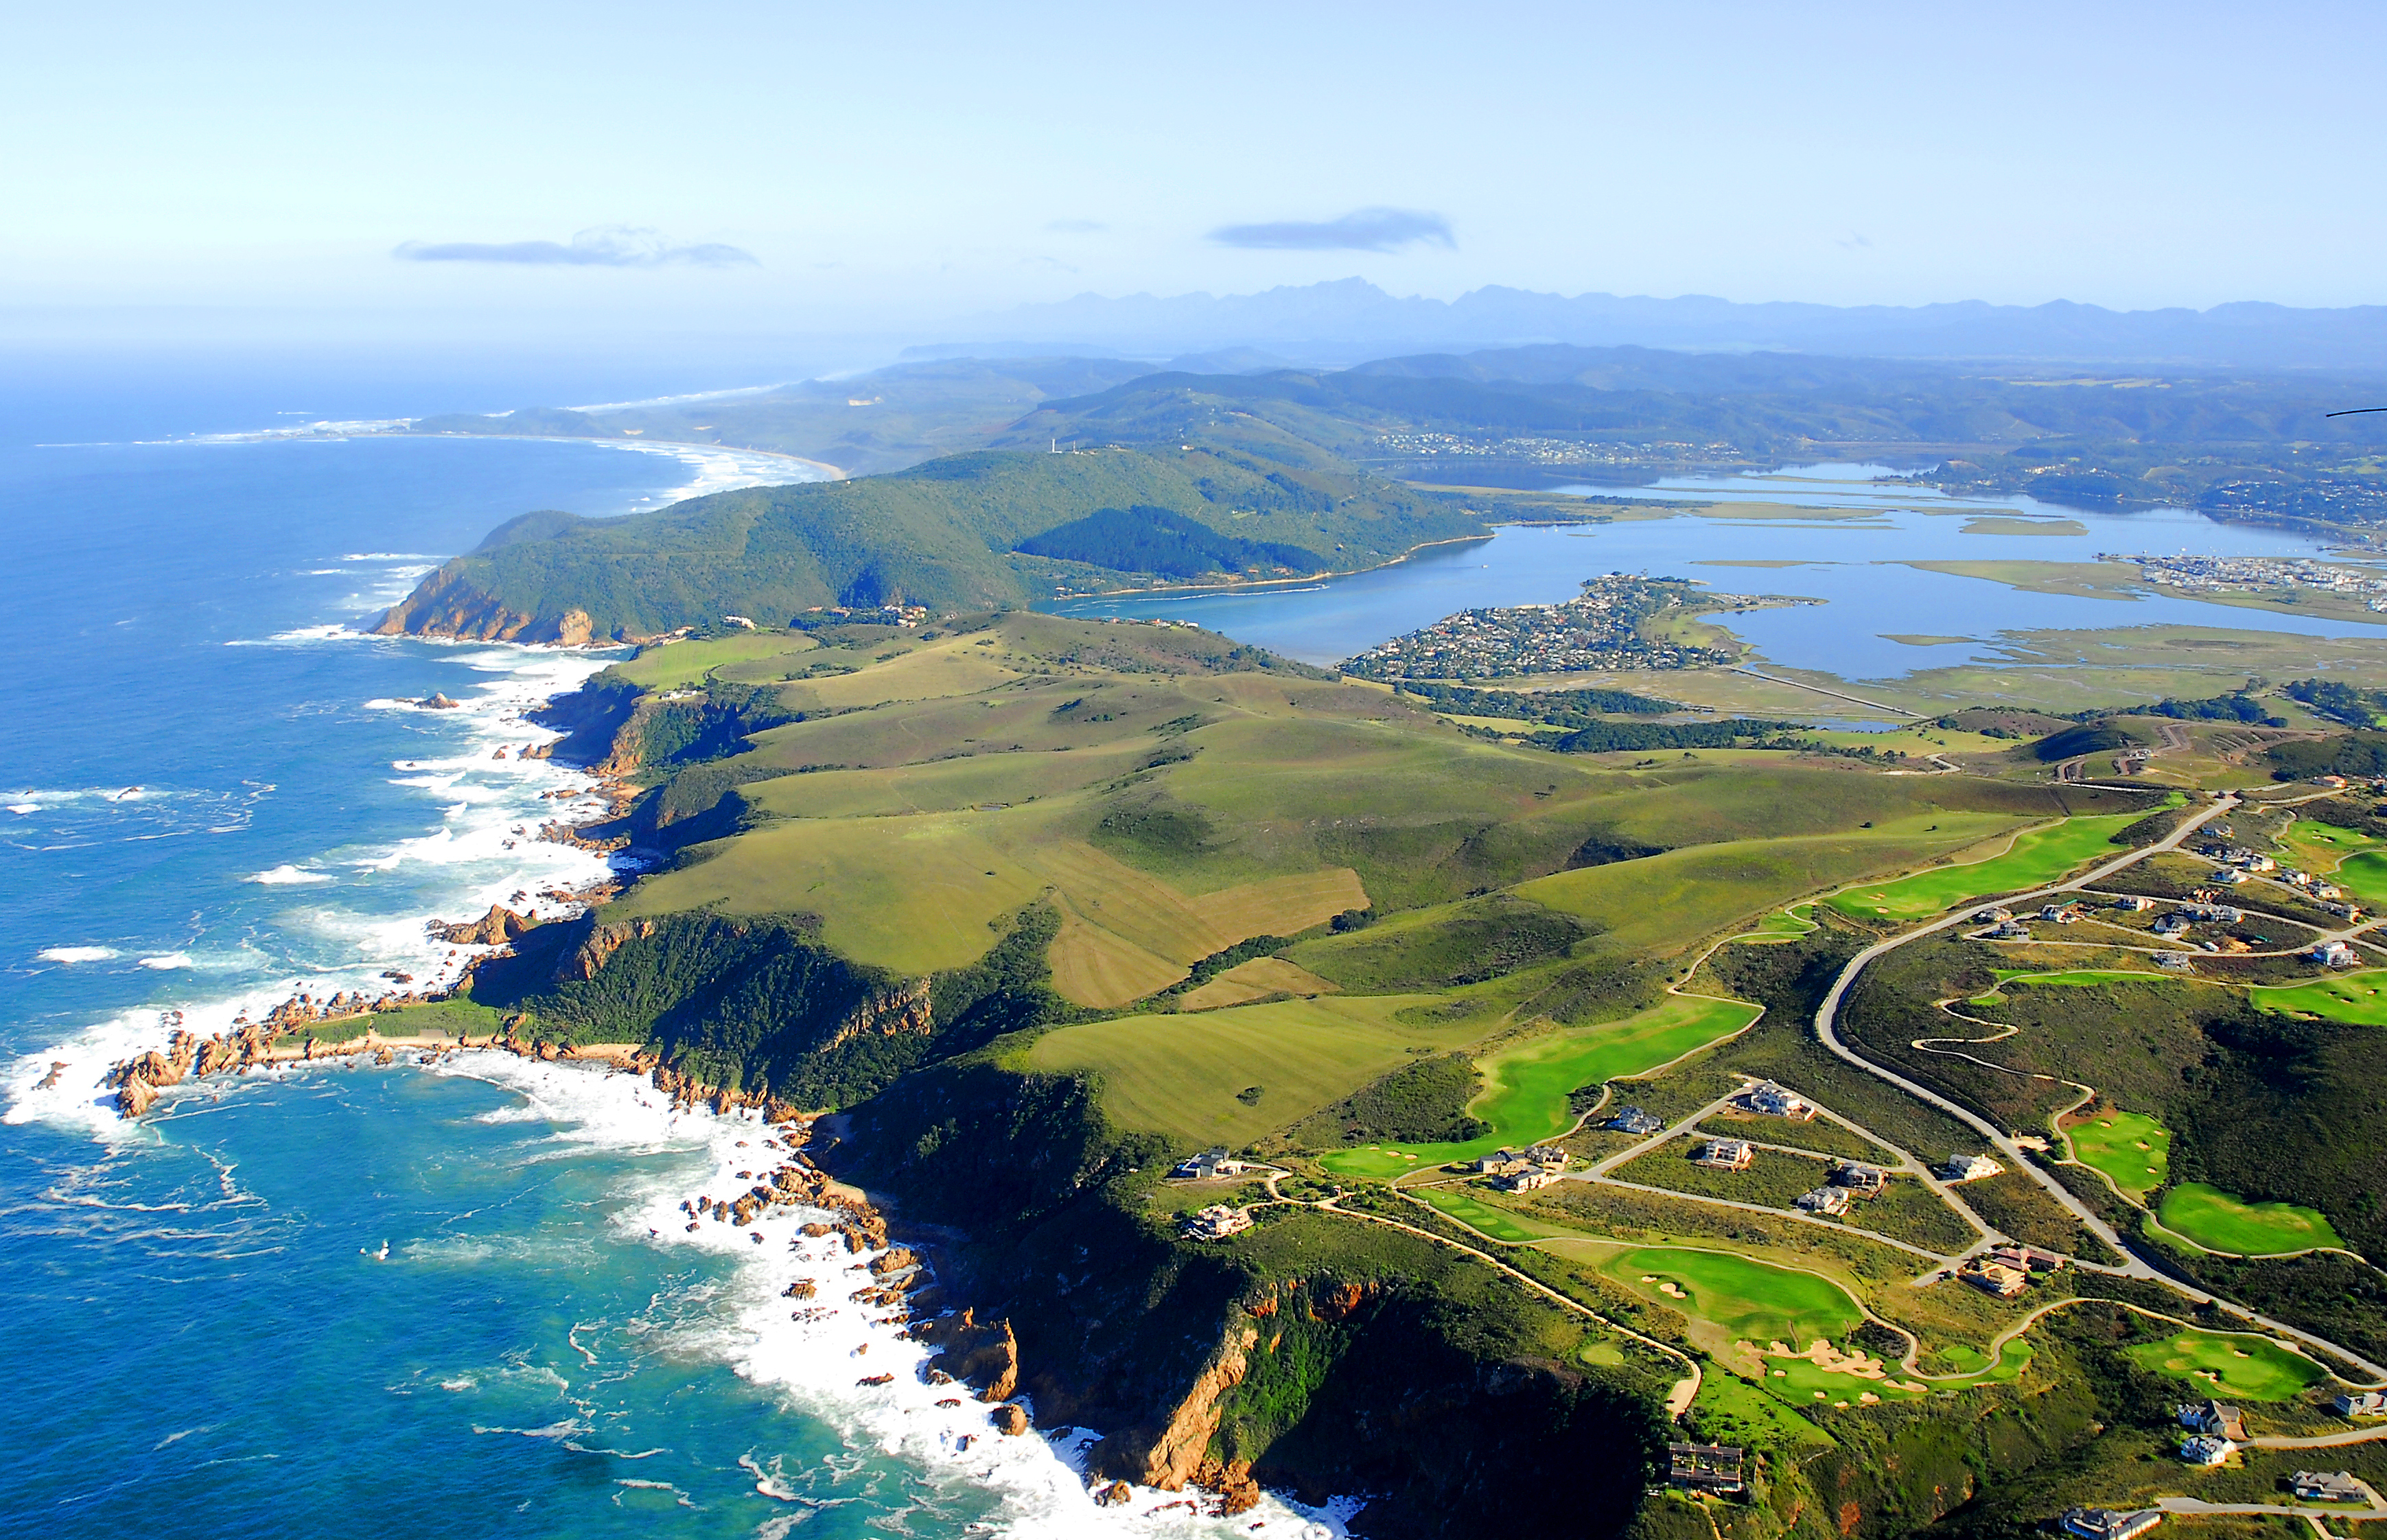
x=1827 y=1013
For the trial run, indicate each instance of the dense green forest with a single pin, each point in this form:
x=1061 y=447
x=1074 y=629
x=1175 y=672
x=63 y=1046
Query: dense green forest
x=941 y=535
x=1145 y=538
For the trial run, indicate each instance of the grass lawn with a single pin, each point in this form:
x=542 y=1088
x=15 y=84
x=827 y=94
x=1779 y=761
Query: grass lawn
x=2037 y=857
x=2130 y=1147
x=2218 y=1222
x=2083 y=978
x=455 y=1018
x=1525 y=1092
x=2357 y=999
x=1746 y=1300
x=1183 y=1075
x=2239 y=1367
x=1472 y=1211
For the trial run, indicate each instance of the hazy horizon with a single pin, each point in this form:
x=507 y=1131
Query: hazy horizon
x=561 y=174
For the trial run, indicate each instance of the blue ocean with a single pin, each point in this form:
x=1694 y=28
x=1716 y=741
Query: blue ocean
x=445 y=1300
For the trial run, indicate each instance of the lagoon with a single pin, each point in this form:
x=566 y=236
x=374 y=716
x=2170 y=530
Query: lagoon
x=1853 y=552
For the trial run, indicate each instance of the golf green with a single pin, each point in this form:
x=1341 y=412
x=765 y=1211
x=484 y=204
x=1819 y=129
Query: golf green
x=2218 y=1222
x=2129 y=1147
x=1750 y=1301
x=2226 y=1364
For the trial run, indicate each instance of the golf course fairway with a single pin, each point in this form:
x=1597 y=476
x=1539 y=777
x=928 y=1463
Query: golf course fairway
x=2356 y=999
x=1525 y=1091
x=2218 y=1222
x=2035 y=858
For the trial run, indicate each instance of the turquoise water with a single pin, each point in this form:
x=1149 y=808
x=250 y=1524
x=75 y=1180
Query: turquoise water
x=216 y=793
x=1858 y=566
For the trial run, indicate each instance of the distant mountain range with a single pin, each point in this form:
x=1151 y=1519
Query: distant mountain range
x=1349 y=321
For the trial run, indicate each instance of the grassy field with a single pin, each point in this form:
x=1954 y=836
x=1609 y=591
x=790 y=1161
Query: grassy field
x=1678 y=897
x=2357 y=999
x=2229 y=1365
x=2218 y=1222
x=1185 y=1075
x=2129 y=1147
x=923 y=891
x=1731 y=1410
x=674 y=665
x=1745 y=1300
x=1261 y=977
x=455 y=1018
x=2036 y=857
x=1525 y=1090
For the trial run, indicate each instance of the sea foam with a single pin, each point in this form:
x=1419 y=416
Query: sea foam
x=76 y=953
x=818 y=1361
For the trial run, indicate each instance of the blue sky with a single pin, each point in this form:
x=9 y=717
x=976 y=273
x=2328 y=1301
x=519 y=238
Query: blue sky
x=808 y=168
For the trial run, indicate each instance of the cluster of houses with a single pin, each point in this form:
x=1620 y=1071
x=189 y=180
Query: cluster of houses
x=1523 y=1171
x=1217 y=1222
x=1849 y=1179
x=2216 y=1430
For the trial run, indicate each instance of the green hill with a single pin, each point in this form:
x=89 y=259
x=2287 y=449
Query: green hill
x=945 y=535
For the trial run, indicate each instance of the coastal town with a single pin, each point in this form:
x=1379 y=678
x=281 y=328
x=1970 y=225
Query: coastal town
x=1542 y=450
x=1604 y=628
x=2258 y=575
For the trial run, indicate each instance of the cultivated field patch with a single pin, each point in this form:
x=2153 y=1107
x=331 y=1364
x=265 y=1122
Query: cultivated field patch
x=1227 y=1077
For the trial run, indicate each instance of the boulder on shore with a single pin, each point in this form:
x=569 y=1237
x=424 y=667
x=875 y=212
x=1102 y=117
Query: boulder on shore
x=1009 y=1418
x=496 y=927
